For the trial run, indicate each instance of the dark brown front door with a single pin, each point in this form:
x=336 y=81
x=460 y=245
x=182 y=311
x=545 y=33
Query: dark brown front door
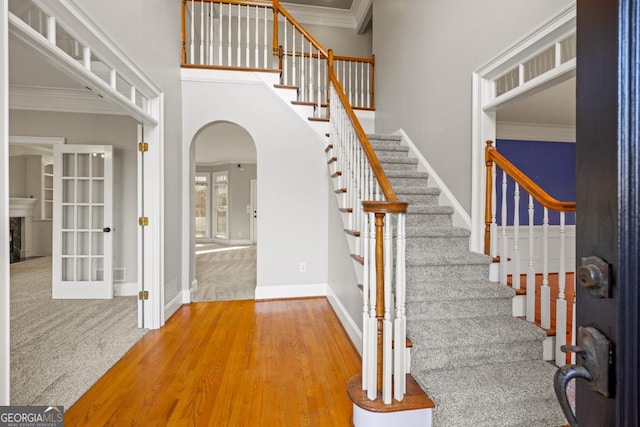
x=608 y=198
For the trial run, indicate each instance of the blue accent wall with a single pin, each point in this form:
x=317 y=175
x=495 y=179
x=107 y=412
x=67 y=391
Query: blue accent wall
x=552 y=165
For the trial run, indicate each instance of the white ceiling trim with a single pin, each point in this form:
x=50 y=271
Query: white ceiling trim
x=318 y=15
x=535 y=132
x=361 y=10
x=36 y=98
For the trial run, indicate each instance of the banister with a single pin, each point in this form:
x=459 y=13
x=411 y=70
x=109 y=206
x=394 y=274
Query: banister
x=354 y=59
x=385 y=185
x=236 y=2
x=525 y=182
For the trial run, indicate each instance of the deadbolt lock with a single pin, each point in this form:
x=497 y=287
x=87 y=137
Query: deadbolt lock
x=595 y=275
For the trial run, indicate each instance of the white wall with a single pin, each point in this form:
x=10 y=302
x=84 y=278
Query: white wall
x=119 y=131
x=292 y=176
x=426 y=52
x=343 y=41
x=149 y=32
x=18 y=176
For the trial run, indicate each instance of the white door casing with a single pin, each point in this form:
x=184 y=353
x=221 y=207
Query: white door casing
x=83 y=222
x=254 y=212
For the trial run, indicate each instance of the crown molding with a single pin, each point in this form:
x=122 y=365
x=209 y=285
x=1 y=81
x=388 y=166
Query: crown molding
x=361 y=11
x=318 y=15
x=535 y=132
x=37 y=98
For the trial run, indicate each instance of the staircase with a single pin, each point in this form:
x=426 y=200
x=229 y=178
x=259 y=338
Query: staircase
x=480 y=365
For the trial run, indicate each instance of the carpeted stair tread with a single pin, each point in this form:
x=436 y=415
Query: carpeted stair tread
x=406 y=174
x=414 y=231
x=501 y=394
x=431 y=191
x=429 y=209
x=481 y=331
x=458 y=290
x=389 y=148
x=399 y=160
x=382 y=137
x=449 y=259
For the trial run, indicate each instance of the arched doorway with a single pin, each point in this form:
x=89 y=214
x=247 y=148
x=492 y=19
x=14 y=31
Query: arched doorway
x=224 y=212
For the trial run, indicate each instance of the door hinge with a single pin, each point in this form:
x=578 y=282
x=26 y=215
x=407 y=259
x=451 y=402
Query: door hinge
x=143 y=295
x=143 y=147
x=143 y=221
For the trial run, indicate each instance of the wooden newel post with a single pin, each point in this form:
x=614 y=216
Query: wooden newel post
x=184 y=32
x=330 y=72
x=488 y=198
x=379 y=289
x=276 y=44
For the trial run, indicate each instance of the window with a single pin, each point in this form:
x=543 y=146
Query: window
x=221 y=204
x=203 y=217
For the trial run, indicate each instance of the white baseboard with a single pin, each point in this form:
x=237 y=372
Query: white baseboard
x=125 y=289
x=176 y=302
x=349 y=325
x=291 y=291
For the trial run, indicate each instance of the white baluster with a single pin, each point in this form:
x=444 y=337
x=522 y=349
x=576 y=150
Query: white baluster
x=366 y=286
x=229 y=57
x=372 y=370
x=132 y=94
x=350 y=85
x=266 y=40
x=239 y=39
x=256 y=53
x=294 y=59
x=494 y=213
x=285 y=59
x=247 y=44
x=211 y=29
x=193 y=32
x=400 y=328
x=319 y=87
x=220 y=60
x=561 y=303
x=310 y=68
x=515 y=271
x=302 y=73
x=387 y=325
x=202 y=30
x=356 y=100
x=531 y=272
x=545 y=291
x=51 y=29
x=503 y=218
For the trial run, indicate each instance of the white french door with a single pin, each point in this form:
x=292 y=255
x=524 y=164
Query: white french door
x=82 y=222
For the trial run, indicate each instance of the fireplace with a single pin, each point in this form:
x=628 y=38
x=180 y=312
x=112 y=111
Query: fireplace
x=16 y=253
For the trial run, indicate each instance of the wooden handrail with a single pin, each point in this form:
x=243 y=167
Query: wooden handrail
x=371 y=60
x=237 y=2
x=541 y=196
x=385 y=185
x=525 y=182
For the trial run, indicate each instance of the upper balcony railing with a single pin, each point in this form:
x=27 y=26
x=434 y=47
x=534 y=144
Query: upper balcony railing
x=255 y=35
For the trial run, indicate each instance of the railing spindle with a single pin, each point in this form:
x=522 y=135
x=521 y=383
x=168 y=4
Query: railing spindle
x=285 y=65
x=561 y=303
x=545 y=291
x=229 y=57
x=193 y=33
x=211 y=31
x=505 y=243
x=531 y=272
x=515 y=271
x=400 y=327
x=239 y=46
x=202 y=35
x=387 y=330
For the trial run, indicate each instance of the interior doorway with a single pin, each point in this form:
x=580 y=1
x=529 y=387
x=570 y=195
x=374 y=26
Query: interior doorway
x=225 y=195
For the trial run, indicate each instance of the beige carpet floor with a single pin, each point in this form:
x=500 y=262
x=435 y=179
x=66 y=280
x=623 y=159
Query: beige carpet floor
x=225 y=273
x=59 y=348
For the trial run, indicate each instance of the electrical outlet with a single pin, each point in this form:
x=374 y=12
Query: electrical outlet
x=303 y=267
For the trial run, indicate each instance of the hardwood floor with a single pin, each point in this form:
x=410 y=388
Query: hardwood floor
x=240 y=363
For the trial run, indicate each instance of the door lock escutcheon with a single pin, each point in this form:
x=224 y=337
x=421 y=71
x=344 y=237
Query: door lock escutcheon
x=595 y=276
x=595 y=364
